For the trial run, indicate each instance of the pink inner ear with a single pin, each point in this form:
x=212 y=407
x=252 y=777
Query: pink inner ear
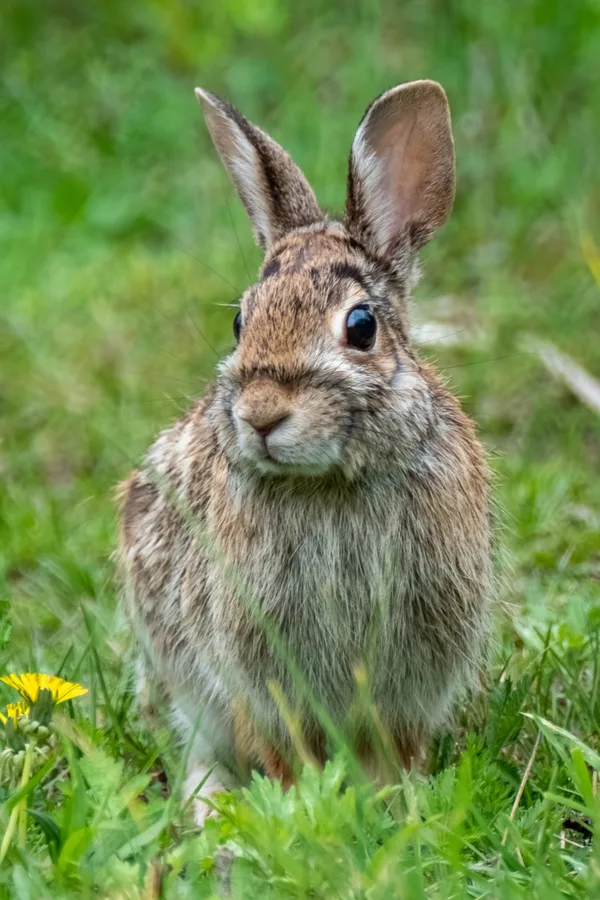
x=404 y=163
x=397 y=141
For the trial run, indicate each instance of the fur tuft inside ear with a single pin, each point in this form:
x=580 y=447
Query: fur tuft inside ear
x=277 y=196
x=401 y=178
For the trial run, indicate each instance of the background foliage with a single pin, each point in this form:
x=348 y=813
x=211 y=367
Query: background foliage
x=121 y=247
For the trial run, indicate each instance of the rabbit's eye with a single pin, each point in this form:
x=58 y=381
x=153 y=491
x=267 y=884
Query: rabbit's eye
x=237 y=325
x=361 y=327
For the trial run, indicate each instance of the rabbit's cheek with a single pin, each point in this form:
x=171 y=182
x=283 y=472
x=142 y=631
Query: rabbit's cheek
x=411 y=392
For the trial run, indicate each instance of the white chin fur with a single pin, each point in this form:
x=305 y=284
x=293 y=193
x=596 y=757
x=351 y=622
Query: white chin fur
x=288 y=454
x=272 y=467
x=289 y=462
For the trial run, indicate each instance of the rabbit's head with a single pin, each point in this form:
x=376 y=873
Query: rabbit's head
x=324 y=379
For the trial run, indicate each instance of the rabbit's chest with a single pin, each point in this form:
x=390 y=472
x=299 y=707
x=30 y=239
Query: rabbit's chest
x=312 y=594
x=317 y=589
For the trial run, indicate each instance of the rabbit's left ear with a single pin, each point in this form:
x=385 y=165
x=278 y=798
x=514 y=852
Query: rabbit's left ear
x=277 y=196
x=401 y=178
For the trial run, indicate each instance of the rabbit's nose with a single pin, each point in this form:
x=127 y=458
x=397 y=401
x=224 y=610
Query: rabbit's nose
x=263 y=423
x=264 y=406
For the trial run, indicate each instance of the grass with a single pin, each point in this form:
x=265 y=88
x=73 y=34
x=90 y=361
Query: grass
x=120 y=243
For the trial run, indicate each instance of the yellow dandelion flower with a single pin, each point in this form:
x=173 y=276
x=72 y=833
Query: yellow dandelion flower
x=14 y=711
x=30 y=684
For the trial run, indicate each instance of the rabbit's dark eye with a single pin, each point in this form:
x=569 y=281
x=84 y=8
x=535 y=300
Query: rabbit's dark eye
x=237 y=325
x=361 y=327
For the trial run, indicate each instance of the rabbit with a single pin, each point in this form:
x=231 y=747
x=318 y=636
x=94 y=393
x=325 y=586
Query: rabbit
x=318 y=524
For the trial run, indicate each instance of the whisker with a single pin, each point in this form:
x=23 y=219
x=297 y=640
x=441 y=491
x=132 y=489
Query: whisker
x=177 y=359
x=442 y=337
x=237 y=237
x=167 y=318
x=206 y=266
x=190 y=381
x=200 y=332
x=180 y=326
x=479 y=362
x=168 y=399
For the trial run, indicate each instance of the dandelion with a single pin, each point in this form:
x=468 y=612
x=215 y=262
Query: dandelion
x=14 y=711
x=27 y=734
x=30 y=685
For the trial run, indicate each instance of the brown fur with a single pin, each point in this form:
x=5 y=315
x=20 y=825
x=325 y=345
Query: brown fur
x=356 y=534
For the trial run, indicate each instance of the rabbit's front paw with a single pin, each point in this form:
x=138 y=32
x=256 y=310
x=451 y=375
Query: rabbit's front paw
x=211 y=785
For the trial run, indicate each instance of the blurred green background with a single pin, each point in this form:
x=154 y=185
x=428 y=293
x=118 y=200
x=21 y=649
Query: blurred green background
x=122 y=244
x=122 y=248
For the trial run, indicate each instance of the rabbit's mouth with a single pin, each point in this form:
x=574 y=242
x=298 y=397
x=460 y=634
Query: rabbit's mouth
x=292 y=445
x=286 y=451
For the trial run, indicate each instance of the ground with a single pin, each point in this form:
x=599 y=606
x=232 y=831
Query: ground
x=122 y=250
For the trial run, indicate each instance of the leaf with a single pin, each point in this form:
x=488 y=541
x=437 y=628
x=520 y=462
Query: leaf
x=50 y=829
x=581 y=778
x=74 y=847
x=101 y=771
x=553 y=732
x=564 y=800
x=505 y=720
x=145 y=838
x=585 y=387
x=76 y=805
x=133 y=788
x=5 y=632
x=31 y=784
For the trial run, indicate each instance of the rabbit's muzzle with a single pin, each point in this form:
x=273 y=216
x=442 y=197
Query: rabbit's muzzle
x=263 y=406
x=284 y=428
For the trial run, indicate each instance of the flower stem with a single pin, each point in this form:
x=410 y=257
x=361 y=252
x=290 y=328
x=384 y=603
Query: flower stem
x=12 y=824
x=23 y=803
x=19 y=812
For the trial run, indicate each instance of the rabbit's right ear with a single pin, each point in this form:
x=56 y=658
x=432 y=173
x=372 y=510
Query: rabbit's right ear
x=277 y=196
x=401 y=178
